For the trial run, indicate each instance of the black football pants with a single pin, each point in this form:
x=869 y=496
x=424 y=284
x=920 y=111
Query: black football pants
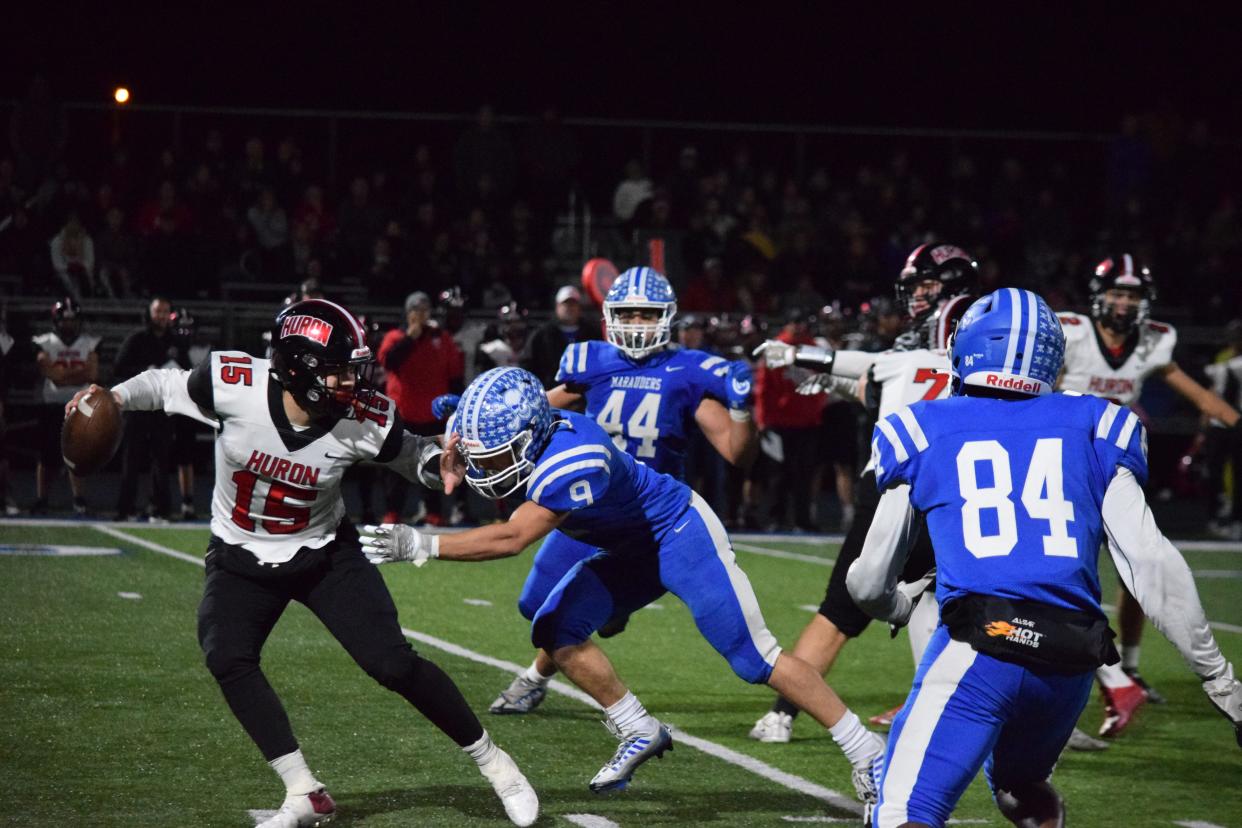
x=242 y=600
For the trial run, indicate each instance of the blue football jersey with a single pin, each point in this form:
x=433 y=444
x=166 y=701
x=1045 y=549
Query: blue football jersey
x=647 y=406
x=1012 y=489
x=613 y=502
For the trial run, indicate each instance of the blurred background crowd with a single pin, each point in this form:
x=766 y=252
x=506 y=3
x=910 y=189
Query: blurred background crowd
x=474 y=231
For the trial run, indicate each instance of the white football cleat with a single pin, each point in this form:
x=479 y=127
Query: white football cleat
x=774 y=727
x=521 y=696
x=632 y=752
x=303 y=811
x=1080 y=740
x=519 y=798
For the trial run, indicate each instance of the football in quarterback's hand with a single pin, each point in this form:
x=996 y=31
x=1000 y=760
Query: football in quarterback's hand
x=92 y=432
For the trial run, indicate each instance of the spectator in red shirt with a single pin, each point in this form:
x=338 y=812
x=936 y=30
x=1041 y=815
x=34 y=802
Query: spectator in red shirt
x=790 y=422
x=420 y=362
x=709 y=292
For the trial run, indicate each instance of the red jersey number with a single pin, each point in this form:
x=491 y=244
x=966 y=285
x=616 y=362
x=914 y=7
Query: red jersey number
x=279 y=516
x=234 y=370
x=938 y=380
x=372 y=407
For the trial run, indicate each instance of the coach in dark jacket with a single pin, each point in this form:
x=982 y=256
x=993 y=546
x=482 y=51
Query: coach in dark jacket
x=148 y=434
x=543 y=351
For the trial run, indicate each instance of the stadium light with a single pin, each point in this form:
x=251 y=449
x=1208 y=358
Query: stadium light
x=121 y=95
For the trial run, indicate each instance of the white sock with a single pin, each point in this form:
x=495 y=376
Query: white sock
x=631 y=718
x=855 y=741
x=1130 y=656
x=1111 y=676
x=533 y=675
x=483 y=751
x=295 y=774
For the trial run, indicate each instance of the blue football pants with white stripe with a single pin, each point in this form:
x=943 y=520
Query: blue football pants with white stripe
x=694 y=562
x=968 y=710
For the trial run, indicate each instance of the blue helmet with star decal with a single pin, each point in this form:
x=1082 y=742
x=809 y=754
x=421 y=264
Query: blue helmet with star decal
x=504 y=421
x=639 y=311
x=1007 y=341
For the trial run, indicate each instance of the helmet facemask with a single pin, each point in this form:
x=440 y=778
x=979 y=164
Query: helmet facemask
x=325 y=391
x=639 y=328
x=499 y=471
x=920 y=297
x=1122 y=311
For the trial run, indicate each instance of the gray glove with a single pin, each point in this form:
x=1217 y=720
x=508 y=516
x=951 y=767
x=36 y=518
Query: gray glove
x=775 y=354
x=815 y=384
x=391 y=542
x=913 y=591
x=1226 y=693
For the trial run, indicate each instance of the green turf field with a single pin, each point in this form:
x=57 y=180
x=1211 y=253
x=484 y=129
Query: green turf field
x=107 y=716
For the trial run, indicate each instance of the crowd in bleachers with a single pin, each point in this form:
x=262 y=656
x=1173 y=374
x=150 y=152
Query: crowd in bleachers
x=736 y=229
x=746 y=236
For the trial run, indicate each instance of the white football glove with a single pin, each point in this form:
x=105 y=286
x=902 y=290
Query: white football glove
x=775 y=354
x=391 y=542
x=1226 y=693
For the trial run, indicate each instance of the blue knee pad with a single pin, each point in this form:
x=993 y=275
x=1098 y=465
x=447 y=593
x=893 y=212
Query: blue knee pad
x=556 y=557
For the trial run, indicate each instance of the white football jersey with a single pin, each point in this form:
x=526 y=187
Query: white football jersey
x=1090 y=369
x=278 y=488
x=76 y=353
x=906 y=377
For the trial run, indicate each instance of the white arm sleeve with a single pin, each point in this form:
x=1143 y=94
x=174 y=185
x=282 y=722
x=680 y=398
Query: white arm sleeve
x=872 y=579
x=1157 y=575
x=418 y=461
x=852 y=364
x=161 y=389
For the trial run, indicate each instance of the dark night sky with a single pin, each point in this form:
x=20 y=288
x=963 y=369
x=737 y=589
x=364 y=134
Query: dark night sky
x=952 y=65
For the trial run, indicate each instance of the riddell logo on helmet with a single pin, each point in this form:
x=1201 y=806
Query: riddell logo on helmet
x=311 y=327
x=1011 y=383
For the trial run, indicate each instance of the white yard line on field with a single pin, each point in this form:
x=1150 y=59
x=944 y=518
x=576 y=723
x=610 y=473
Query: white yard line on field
x=146 y=544
x=801 y=540
x=769 y=552
x=741 y=760
x=591 y=821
